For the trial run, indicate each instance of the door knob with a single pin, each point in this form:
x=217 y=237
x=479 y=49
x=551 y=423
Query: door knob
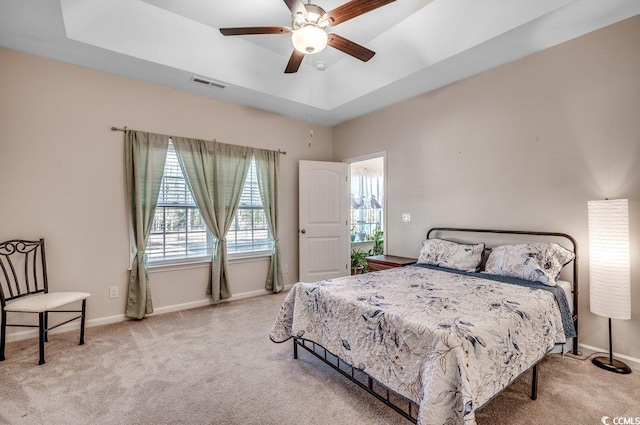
x=303 y=231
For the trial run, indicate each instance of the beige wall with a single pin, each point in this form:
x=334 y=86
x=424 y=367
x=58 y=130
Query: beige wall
x=523 y=146
x=62 y=173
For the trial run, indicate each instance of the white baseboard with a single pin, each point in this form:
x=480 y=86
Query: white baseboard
x=632 y=362
x=100 y=321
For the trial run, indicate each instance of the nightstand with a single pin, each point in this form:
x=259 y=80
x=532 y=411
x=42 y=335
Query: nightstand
x=376 y=263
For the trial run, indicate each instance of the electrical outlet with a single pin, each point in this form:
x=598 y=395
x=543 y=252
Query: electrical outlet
x=113 y=292
x=285 y=268
x=406 y=217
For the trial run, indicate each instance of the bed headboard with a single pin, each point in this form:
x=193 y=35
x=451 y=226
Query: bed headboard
x=492 y=237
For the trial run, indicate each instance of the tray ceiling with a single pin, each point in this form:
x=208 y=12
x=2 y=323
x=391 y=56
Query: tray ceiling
x=420 y=45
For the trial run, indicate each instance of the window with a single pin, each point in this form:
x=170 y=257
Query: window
x=367 y=200
x=249 y=231
x=178 y=231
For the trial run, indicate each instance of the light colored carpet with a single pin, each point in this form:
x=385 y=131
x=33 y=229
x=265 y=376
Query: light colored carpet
x=216 y=365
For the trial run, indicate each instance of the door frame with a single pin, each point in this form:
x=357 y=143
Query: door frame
x=374 y=155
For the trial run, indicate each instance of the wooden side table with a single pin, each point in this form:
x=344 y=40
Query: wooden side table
x=376 y=263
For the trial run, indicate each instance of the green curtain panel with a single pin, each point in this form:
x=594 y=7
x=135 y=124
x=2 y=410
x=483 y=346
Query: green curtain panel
x=145 y=154
x=215 y=173
x=268 y=167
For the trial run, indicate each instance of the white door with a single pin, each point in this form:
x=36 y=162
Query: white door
x=323 y=215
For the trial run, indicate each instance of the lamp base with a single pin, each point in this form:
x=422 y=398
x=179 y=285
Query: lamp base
x=612 y=366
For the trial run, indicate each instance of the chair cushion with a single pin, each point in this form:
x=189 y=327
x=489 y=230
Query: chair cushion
x=43 y=302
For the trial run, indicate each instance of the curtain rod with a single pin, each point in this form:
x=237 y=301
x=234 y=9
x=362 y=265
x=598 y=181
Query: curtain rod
x=125 y=129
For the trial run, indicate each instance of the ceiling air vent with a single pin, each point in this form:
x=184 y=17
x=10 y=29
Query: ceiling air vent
x=205 y=82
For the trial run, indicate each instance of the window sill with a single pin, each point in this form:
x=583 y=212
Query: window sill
x=244 y=257
x=200 y=262
x=361 y=243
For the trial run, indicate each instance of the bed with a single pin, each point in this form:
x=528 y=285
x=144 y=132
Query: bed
x=438 y=340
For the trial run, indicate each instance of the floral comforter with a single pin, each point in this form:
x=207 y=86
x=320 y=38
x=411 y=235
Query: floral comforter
x=447 y=341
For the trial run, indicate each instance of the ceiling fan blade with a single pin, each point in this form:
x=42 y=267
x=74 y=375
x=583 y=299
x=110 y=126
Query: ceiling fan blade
x=296 y=7
x=255 y=30
x=352 y=9
x=294 y=62
x=349 y=47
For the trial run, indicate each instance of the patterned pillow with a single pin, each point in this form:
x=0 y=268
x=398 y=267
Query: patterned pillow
x=537 y=262
x=453 y=255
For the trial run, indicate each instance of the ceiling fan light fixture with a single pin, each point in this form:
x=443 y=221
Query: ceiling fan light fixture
x=309 y=24
x=309 y=39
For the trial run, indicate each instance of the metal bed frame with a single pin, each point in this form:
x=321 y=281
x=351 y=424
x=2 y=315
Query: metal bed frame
x=402 y=405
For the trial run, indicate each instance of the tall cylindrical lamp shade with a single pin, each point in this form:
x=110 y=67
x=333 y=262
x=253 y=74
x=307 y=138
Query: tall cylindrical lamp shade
x=609 y=262
x=610 y=269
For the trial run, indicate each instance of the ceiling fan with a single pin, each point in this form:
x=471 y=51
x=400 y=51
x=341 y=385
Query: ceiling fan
x=309 y=29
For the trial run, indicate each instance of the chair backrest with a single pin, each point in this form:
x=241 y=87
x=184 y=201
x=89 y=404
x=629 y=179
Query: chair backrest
x=23 y=269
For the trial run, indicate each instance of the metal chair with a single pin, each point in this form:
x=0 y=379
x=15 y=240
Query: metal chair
x=24 y=289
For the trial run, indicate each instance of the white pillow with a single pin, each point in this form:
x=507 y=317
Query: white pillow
x=536 y=262
x=453 y=255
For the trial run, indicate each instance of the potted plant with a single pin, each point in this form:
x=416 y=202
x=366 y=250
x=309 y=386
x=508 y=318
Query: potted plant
x=378 y=242
x=359 y=260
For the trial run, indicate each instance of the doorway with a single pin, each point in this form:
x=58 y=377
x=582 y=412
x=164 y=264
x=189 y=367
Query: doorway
x=367 y=203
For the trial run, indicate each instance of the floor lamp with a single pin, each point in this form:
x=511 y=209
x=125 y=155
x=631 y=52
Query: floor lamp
x=610 y=270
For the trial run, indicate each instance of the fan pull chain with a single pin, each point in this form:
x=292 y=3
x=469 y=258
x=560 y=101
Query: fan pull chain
x=310 y=61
